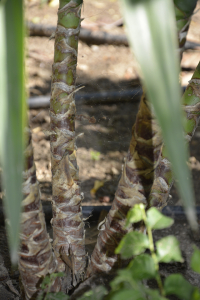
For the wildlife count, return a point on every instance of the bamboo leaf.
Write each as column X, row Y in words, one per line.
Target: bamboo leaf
column 12, row 108
column 152, row 34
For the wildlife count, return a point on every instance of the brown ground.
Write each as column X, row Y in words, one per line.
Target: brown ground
column 104, row 144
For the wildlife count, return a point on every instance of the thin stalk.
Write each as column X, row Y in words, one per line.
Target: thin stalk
column 153, row 254
column 36, row 258
column 67, row 222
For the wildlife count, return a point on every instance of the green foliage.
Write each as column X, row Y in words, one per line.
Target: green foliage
column 95, row 294
column 133, row 243
column 134, row 215
column 142, row 267
column 46, row 285
column 156, row 220
column 176, row 284
column 128, row 284
column 168, row 250
column 195, row 260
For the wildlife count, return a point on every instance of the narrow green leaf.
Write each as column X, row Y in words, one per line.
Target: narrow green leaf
column 186, row 6
column 156, row 220
column 12, row 114
column 135, row 214
column 176, row 284
column 142, row 267
column 133, row 243
column 168, row 250
column 195, row 260
column 152, row 33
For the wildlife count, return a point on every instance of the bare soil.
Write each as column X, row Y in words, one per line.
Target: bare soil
column 104, row 144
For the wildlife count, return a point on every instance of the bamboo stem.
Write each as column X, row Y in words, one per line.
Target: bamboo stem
column 36, row 258
column 133, row 188
column 164, row 178
column 67, row 222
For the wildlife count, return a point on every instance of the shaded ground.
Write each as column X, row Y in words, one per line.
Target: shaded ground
column 104, row 144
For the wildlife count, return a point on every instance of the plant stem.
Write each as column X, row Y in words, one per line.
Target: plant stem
column 164, row 177
column 153, row 254
column 36, row 258
column 163, row 173
column 67, row 222
column 133, row 188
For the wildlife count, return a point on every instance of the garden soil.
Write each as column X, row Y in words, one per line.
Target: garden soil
column 103, row 146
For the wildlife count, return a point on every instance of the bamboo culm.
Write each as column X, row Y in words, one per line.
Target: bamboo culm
column 67, row 222
column 36, row 258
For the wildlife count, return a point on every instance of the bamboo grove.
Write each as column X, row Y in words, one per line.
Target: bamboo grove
column 147, row 174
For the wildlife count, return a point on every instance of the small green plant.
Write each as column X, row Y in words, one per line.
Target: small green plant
column 95, row 155
column 130, row 284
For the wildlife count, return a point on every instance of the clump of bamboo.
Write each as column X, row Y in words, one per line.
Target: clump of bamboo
column 133, row 188
column 144, row 161
column 36, row 258
column 67, row 222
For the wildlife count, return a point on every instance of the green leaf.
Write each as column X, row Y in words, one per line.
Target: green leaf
column 176, row 284
column 186, row 6
column 142, row 267
column 123, row 276
column 127, row 295
column 12, row 114
column 154, row 295
column 195, row 260
column 133, row 243
column 156, row 220
column 55, row 275
column 95, row 294
column 195, row 294
column 168, row 250
column 135, row 214
column 56, row 296
column 45, row 282
column 152, row 33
